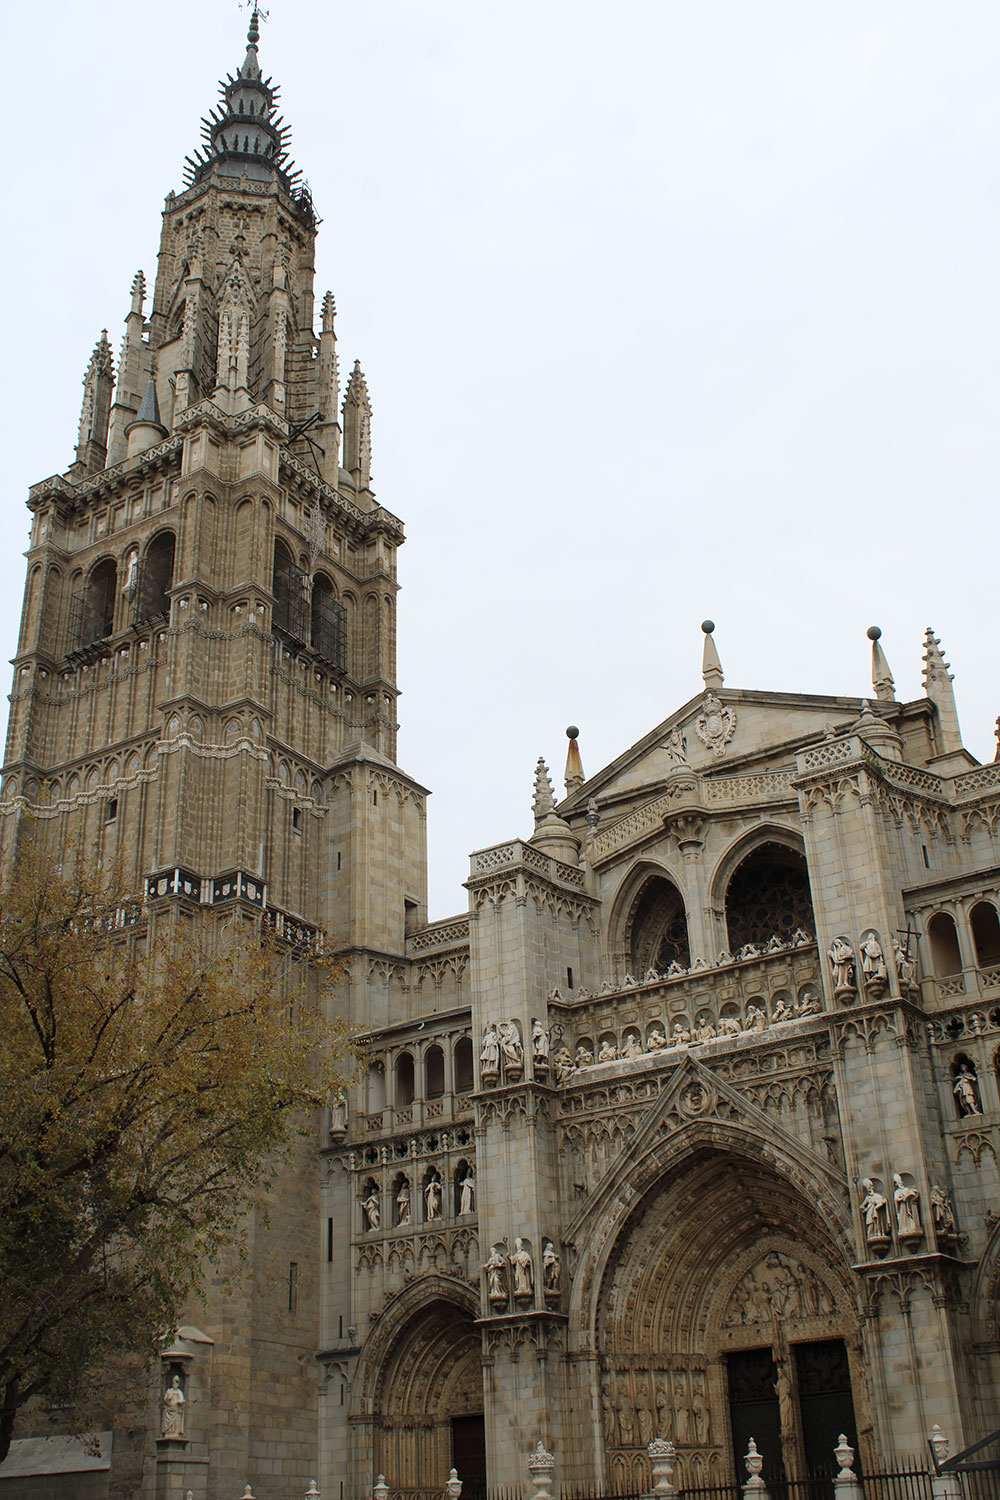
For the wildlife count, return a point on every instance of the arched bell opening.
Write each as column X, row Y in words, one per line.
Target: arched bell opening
column 658, row 931
column 429, row 1405
column 768, row 896
column 726, row 1311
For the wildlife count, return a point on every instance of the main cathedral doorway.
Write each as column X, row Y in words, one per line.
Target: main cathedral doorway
column 794, row 1408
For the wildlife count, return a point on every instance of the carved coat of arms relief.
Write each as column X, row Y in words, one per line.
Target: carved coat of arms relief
column 715, row 724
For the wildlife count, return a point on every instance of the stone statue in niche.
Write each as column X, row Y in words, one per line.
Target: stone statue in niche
column 172, row 1416
column 700, row 1419
column 841, row 958
column 715, row 724
column 432, row 1196
column 539, row 1046
column 966, row 1090
column 466, row 1191
column 786, row 1404
column 656, row 1041
column 873, row 966
column 643, row 1415
column 907, row 1202
column 875, row 1212
column 906, row 967
column 633, row 1047
column 371, row 1209
column 608, row 1052
column 524, row 1272
column 489, row 1057
column 550, row 1269
column 584, row 1056
column 496, row 1278
column 943, row 1214
column 510, row 1048
column 682, row 1416
column 623, row 1408
column 403, row 1203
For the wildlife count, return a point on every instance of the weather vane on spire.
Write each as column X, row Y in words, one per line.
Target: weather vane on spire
column 256, row 16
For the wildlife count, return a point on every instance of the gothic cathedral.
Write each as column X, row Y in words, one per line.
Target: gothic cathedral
column 686, row 1128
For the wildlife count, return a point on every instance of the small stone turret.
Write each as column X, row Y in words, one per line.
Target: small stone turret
column 552, row 834
column 328, row 393
column 147, row 429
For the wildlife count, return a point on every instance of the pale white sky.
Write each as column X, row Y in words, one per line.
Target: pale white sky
column 668, row 309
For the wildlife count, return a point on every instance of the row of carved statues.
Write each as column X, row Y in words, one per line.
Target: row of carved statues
column 799, row 939
column 639, row 1405
column 510, row 1274
column 431, row 1194
column 878, row 1216
column 874, row 973
column 705, row 1029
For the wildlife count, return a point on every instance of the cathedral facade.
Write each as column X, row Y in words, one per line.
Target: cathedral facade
column 687, row 1126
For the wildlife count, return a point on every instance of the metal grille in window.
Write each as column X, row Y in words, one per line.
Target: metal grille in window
column 151, row 599
column 329, row 629
column 90, row 620
column 291, row 608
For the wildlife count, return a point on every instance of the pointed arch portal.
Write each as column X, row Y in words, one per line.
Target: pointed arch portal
column 429, row 1405
column 726, row 1312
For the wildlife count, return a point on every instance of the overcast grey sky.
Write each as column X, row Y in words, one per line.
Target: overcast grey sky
column 670, row 308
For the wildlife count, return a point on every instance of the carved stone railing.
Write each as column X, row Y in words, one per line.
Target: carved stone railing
column 768, row 786
column 509, row 856
column 982, row 779
column 716, row 1005
column 442, row 934
column 830, row 753
column 632, row 826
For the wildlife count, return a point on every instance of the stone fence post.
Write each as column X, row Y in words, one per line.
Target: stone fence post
column 541, row 1466
column 944, row 1486
column 662, row 1455
column 453, row 1488
column 755, row 1488
column 380, row 1490
column 312, row 1493
column 846, row 1485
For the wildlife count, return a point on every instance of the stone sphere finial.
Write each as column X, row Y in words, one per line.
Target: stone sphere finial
column 708, row 626
column 572, row 732
column 874, row 632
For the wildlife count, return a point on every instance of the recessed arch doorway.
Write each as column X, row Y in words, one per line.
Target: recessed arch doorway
column 429, row 1405
column 725, row 1301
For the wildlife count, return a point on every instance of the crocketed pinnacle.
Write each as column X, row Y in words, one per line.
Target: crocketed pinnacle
column 543, row 802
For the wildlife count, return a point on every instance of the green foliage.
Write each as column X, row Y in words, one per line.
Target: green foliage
column 147, row 1088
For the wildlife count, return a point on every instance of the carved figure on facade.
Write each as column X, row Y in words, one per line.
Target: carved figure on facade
column 550, row 1269
column 539, row 1046
column 778, row 1289
column 906, row 967
column 715, row 724
column 511, row 1051
column 756, row 1018
column 675, row 747
column 656, row 1040
column 489, row 1056
column 875, row 1212
column 608, row 1052
column 495, row 1267
column 584, row 1055
column 907, row 1203
column 172, row 1413
column 873, row 968
column 633, row 1046
column 432, row 1196
column 651, row 976
column 563, row 1064
column 643, row 1415
column 524, row 1272
column 372, row 1210
column 943, row 1214
column 841, row 958
column 966, row 1090
column 466, row 1193
column 700, row 1417
column 403, row 1202
column 786, row 1404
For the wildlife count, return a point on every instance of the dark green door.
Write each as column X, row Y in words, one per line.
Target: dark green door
column 825, row 1406
column 753, row 1410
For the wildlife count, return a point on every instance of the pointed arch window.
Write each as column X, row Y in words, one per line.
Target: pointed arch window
column 290, row 618
column 153, row 580
column 328, row 624
column 92, row 613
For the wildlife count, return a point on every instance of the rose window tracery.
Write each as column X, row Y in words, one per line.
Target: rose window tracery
column 768, row 896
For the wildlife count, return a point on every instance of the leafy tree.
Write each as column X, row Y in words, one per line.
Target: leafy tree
column 148, row 1084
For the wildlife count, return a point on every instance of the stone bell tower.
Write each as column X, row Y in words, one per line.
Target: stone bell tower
column 205, row 688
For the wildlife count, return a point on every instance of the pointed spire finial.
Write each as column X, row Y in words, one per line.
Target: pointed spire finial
column 573, row 776
column 938, row 688
column 543, row 802
column 138, row 291
column 329, row 312
column 882, row 682
column 711, row 666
